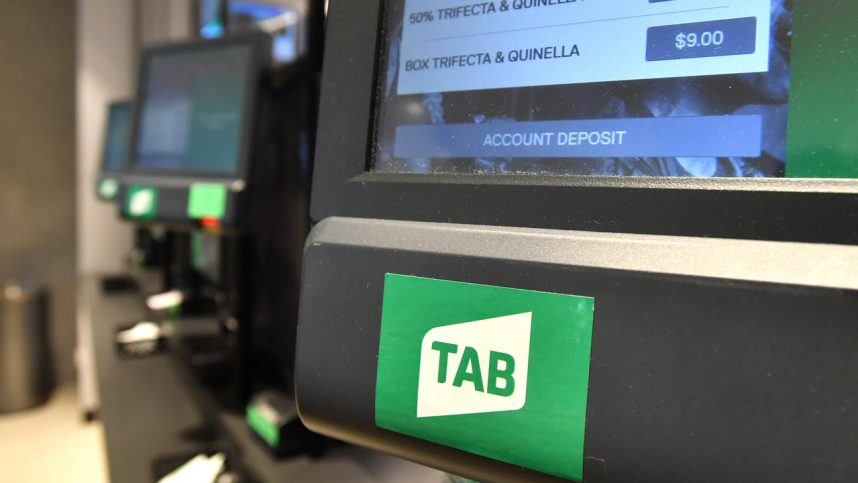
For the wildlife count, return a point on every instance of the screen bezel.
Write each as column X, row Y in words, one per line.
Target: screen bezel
column 807, row 210
column 171, row 177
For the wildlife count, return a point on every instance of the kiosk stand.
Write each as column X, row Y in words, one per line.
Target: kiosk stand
column 219, row 148
column 586, row 241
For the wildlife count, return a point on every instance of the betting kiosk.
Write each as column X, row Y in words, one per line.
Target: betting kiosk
column 598, row 241
column 192, row 133
column 217, row 158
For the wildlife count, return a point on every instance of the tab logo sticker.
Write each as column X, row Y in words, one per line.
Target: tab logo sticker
column 494, row 371
column 141, row 202
column 474, row 367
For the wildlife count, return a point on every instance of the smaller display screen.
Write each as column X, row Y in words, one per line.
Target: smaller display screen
column 193, row 111
column 278, row 18
column 116, row 140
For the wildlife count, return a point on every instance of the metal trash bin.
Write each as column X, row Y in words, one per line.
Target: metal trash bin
column 26, row 369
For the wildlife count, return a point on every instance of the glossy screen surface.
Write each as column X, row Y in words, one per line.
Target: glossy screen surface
column 193, row 112
column 670, row 88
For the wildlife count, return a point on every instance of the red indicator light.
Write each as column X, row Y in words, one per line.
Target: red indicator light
column 210, row 222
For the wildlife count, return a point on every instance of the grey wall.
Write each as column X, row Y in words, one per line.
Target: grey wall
column 164, row 21
column 37, row 156
column 106, row 63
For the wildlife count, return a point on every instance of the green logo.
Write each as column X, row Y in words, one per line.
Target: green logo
column 108, row 188
column 494, row 371
column 141, row 202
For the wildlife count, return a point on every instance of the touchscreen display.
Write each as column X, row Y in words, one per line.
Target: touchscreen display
column 687, row 88
column 193, row 110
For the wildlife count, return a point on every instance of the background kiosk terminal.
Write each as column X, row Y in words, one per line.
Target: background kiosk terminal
column 115, row 149
column 587, row 241
column 196, row 106
column 218, row 157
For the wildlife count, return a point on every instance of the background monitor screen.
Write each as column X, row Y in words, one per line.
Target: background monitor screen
column 117, row 136
column 193, row 110
column 685, row 88
column 279, row 18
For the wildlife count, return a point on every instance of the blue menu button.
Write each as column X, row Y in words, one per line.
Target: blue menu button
column 705, row 136
column 736, row 36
